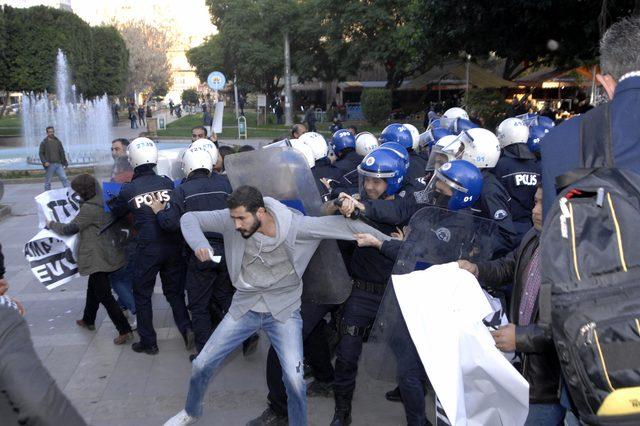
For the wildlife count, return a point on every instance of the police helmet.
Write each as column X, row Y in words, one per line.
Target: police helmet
column 456, row 185
column 460, row 124
column 398, row 150
column 397, row 133
column 365, row 143
column 445, row 149
column 142, row 151
column 415, row 135
column 342, row 139
column 431, row 136
column 536, row 133
column 545, row 122
column 305, row 150
column 383, row 164
column 208, row 146
column 450, row 115
column 434, row 124
column 195, row 158
column 317, row 143
column 480, row 147
column 512, row 130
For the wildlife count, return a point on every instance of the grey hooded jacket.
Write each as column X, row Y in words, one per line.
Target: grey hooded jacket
column 300, row 235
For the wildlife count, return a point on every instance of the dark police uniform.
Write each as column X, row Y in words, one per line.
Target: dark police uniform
column 207, row 283
column 519, row 173
column 371, row 271
column 346, row 168
column 324, row 169
column 416, row 172
column 155, row 252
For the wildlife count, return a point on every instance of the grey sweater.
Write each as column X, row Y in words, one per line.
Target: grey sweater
column 300, row 236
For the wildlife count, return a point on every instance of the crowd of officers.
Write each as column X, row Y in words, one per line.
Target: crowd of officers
column 454, row 164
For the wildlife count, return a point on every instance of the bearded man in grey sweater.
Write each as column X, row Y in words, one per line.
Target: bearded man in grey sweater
column 268, row 247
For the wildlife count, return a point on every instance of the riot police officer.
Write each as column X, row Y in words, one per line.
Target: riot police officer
column 322, row 166
column 401, row 134
column 381, row 174
column 155, row 248
column 206, row 282
column 343, row 145
column 518, row 171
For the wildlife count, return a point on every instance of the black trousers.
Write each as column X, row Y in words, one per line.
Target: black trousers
column 316, row 354
column 209, row 292
column 99, row 292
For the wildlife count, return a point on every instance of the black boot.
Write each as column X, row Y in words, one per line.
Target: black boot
column 342, row 414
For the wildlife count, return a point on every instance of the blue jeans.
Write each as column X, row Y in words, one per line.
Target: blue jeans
column 57, row 169
column 286, row 338
column 122, row 283
column 545, row 415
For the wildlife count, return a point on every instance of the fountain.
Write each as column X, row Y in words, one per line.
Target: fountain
column 83, row 126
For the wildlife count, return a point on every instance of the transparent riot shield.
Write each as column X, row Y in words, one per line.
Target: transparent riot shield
column 283, row 173
column 436, row 236
column 170, row 163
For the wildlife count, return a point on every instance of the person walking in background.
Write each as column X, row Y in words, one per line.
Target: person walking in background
column 310, row 118
column 207, row 119
column 141, row 121
column 132, row 116
column 97, row 256
column 53, row 159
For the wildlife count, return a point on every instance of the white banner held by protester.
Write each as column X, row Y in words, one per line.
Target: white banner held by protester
column 217, row 117
column 52, row 257
column 474, row 382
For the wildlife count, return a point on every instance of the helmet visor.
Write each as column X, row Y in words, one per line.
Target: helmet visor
column 440, row 189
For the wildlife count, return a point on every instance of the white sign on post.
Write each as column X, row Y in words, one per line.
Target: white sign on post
column 217, row 118
column 52, row 257
column 262, row 100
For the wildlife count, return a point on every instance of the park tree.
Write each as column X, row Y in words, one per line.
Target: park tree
column 149, row 70
column 519, row 31
column 111, row 61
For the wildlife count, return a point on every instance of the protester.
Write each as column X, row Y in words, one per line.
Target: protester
column 207, row 119
column 198, row 132
column 620, row 77
column 223, row 151
column 298, row 130
column 310, row 118
column 141, row 120
column 267, row 277
column 525, row 335
column 97, row 256
column 53, row 159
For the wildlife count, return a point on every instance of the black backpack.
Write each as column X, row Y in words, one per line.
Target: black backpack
column 590, row 291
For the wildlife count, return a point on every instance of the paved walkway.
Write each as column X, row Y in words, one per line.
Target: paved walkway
column 112, row 385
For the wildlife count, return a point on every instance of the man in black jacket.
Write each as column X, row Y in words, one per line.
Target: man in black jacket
column 524, row 335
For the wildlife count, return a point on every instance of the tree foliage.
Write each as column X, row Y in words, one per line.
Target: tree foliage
column 488, row 105
column 190, row 96
column 517, row 30
column 376, row 105
column 149, row 70
column 29, row 42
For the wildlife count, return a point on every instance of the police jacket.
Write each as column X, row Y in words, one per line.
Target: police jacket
column 561, row 146
column 28, row 393
column 494, row 204
column 519, row 172
column 370, row 264
column 539, row 359
column 136, row 197
column 347, row 167
column 199, row 192
column 417, row 166
column 323, row 169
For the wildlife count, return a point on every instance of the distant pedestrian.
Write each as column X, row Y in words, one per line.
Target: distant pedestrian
column 141, row 121
column 149, row 112
column 207, row 119
column 133, row 117
column 53, row 159
column 279, row 112
column 241, row 103
column 310, row 118
column 170, row 107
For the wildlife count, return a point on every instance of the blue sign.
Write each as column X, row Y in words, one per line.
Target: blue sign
column 216, row 80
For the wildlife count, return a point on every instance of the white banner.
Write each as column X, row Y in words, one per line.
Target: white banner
column 52, row 257
column 217, row 117
column 474, row 382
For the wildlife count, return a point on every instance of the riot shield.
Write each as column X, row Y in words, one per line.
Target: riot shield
column 170, row 163
column 436, row 236
column 283, row 173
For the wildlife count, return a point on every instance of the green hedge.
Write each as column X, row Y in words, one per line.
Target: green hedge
column 376, row 105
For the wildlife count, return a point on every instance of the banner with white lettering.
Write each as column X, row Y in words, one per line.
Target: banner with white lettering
column 52, row 257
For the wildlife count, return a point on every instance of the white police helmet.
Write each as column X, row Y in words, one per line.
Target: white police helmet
column 365, row 143
column 450, row 116
column 480, row 147
column 445, row 149
column 194, row 158
column 317, row 143
column 415, row 136
column 142, row 151
column 208, row 146
column 512, row 130
column 305, row 150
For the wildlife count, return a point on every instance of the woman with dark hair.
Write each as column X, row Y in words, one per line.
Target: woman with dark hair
column 97, row 256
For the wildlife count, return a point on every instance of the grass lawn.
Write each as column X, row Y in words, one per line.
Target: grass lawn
column 10, row 126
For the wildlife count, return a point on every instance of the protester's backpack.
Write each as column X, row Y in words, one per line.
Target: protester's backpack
column 591, row 277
